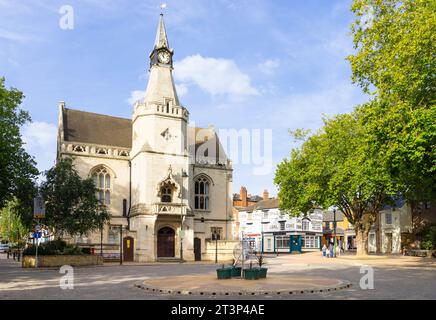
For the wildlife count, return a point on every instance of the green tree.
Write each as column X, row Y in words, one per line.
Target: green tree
column 11, row 227
column 333, row 168
column 395, row 62
column 17, row 168
column 71, row 204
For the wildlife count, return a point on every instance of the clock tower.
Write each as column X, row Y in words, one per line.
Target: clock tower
column 159, row 156
column 162, row 54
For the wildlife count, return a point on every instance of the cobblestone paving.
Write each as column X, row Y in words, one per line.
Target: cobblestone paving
column 394, row 278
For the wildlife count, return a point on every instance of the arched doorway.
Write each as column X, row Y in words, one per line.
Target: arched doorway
column 128, row 243
column 166, row 243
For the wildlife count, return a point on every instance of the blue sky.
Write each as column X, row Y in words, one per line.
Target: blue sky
column 246, row 64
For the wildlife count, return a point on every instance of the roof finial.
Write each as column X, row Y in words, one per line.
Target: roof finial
column 161, row 36
column 162, row 7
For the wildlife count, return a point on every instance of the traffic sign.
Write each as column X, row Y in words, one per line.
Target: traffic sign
column 37, row 235
column 38, row 208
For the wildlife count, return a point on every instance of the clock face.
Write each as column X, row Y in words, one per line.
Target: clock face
column 164, row 57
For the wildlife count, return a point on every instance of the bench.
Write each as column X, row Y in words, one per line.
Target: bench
column 419, row 253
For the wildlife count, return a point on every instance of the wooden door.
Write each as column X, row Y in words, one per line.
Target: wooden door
column 128, row 244
column 389, row 243
column 197, row 249
column 166, row 243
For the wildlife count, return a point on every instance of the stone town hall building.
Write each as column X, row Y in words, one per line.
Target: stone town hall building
column 165, row 182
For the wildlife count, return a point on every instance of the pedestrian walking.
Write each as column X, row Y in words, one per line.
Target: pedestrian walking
column 324, row 250
column 331, row 250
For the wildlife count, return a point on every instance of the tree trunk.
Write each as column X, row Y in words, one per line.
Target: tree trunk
column 362, row 241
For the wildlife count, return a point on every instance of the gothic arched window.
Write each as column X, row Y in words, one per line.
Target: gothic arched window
column 102, row 181
column 202, row 186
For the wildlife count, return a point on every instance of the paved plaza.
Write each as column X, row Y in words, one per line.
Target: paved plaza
column 395, row 277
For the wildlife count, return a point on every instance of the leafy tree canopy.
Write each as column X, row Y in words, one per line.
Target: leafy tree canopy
column 71, row 204
column 17, row 168
column 395, row 61
column 11, row 226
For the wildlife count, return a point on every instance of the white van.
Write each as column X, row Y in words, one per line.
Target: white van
column 4, row 247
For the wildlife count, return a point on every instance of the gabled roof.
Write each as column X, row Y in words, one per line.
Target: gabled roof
column 93, row 128
column 264, row 204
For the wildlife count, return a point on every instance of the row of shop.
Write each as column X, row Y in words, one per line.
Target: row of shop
column 282, row 242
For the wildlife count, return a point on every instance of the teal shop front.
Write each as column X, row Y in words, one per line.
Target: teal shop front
column 295, row 243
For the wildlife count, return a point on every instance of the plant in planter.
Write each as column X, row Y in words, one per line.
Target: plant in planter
column 251, row 273
column 235, row 270
column 224, row 273
column 261, row 262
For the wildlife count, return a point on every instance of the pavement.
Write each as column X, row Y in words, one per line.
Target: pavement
column 395, row 277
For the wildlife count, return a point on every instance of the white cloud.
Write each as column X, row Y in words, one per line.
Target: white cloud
column 135, row 96
column 40, row 142
column 214, row 76
column 268, row 66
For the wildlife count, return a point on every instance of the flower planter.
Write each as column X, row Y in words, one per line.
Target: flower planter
column 251, row 274
column 61, row 260
column 262, row 272
column 224, row 273
column 236, row 272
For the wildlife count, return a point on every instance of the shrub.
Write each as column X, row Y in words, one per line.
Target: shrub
column 56, row 247
column 428, row 241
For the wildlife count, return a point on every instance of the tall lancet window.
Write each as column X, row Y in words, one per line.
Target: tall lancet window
column 202, row 187
column 102, row 181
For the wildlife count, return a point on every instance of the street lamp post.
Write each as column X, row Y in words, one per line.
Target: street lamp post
column 181, row 236
column 216, row 246
column 334, row 231
column 121, row 244
column 101, row 241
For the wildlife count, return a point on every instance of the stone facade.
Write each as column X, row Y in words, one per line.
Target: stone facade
column 167, row 184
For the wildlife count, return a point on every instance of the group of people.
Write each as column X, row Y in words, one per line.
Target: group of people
column 329, row 252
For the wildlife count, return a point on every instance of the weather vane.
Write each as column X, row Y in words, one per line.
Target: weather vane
column 162, row 7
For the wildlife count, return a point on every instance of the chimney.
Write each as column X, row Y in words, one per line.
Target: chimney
column 243, row 196
column 265, row 195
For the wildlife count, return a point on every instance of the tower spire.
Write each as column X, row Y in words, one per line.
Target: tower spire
column 161, row 35
column 161, row 87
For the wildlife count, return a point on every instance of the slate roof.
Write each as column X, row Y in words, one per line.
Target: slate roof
column 93, row 128
column 264, row 204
